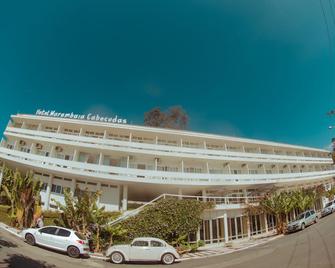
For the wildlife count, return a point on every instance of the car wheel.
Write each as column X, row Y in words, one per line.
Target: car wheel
column 30, row 239
column 168, row 258
column 73, row 252
column 117, row 257
column 302, row 226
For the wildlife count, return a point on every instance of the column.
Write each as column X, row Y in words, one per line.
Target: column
column 266, row 223
column 156, row 163
column 75, row 155
column 156, row 139
column 207, row 167
column 99, row 190
column 73, row 186
column 52, row 151
column 182, row 165
column 1, row 174
column 48, row 193
column 198, row 233
column 101, row 159
column 181, row 142
column 59, row 129
column 16, row 144
column 210, row 230
column 81, row 131
column 128, row 159
column 229, row 170
column 124, row 197
column 204, row 195
column 39, row 128
column 180, row 193
column 248, row 226
column 105, row 134
column 32, row 148
column 205, row 145
column 225, row 226
column 130, row 136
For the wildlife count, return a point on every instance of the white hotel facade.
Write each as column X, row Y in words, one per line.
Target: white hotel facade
column 129, row 163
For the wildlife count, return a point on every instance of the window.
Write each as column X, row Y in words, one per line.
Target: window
column 49, row 230
column 57, row 189
column 140, row 243
column 44, row 186
column 156, row 244
column 64, row 233
column 307, row 215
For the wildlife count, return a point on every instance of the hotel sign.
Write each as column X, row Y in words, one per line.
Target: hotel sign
column 89, row 117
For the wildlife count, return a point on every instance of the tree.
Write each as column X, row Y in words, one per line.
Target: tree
column 81, row 213
column 175, row 117
column 23, row 195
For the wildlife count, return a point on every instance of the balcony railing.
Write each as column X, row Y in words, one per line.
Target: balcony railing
column 119, row 174
column 156, row 149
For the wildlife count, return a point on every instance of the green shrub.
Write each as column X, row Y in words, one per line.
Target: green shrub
column 168, row 219
column 4, row 215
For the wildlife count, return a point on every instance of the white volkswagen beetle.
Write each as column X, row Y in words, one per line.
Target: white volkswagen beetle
column 143, row 249
column 59, row 238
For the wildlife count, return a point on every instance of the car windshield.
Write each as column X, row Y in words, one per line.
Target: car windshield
column 80, row 236
column 329, row 204
column 301, row 216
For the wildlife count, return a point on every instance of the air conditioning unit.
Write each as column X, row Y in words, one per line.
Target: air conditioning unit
column 22, row 142
column 59, row 149
column 39, row 146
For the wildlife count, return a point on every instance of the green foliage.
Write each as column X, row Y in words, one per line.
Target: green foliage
column 168, row 219
column 22, row 193
column 280, row 204
column 4, row 216
column 82, row 214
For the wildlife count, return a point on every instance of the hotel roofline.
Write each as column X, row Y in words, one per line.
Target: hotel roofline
column 165, row 131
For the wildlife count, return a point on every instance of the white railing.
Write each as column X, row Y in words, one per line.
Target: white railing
column 157, row 149
column 120, row 174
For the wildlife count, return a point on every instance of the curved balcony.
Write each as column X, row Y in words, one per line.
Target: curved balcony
column 159, row 150
column 124, row 175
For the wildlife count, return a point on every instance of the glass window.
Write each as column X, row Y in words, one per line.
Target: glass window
column 62, row 232
column 140, row 243
column 49, row 230
column 156, row 244
column 307, row 215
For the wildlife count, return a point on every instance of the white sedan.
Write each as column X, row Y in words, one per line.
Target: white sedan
column 58, row 238
column 143, row 249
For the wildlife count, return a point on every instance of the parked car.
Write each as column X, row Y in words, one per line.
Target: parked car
column 58, row 238
column 304, row 219
column 143, row 249
column 328, row 209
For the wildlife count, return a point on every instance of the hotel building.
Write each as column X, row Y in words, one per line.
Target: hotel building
column 132, row 164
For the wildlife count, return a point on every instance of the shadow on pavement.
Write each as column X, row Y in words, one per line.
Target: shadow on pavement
column 4, row 243
column 19, row 261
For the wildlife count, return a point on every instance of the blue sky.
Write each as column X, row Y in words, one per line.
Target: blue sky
column 259, row 69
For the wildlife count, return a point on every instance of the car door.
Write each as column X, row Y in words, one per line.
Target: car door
column 308, row 218
column 45, row 236
column 156, row 249
column 62, row 239
column 140, row 251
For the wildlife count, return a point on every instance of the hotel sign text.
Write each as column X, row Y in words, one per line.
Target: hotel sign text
column 90, row 117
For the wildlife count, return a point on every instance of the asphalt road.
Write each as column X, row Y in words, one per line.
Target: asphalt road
column 313, row 247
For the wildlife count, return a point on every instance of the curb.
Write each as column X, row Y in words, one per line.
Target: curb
column 229, row 252
column 8, row 229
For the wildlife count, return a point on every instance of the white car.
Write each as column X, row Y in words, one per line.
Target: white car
column 143, row 249
column 58, row 238
column 328, row 209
